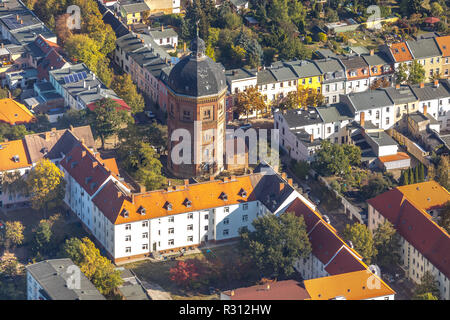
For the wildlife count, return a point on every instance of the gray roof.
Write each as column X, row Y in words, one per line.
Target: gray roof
column 283, row 74
column 298, row 118
column 197, row 75
column 159, row 34
column 335, row 112
column 304, row 68
column 305, row 138
column 401, row 95
column 238, row 74
column 353, row 62
column 381, row 138
column 52, row 276
column 89, row 90
column 423, row 48
column 134, row 7
column 369, row 100
column 376, row 59
column 359, row 50
column 265, row 77
column 419, row 117
column 325, row 53
column 430, row 92
column 331, row 69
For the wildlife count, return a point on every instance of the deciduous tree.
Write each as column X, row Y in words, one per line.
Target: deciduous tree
column 14, row 233
column 387, row 245
column 362, row 240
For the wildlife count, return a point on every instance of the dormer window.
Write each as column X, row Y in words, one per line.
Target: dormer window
column 187, row 203
column 73, row 164
column 16, row 158
column 125, row 213
column 243, row 193
column 224, row 196
column 168, row 206
column 142, row 210
column 87, row 180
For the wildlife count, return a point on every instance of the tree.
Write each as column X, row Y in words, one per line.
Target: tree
column 276, row 243
column 45, row 185
column 401, row 74
column 387, row 245
column 442, row 172
column 322, row 37
column 82, row 48
column 249, row 100
column 404, row 178
column 416, row 174
column 13, row 183
column 444, row 214
column 95, row 267
column 426, row 296
column 184, row 273
column 126, row 89
column 436, row 9
column 353, row 153
column 41, row 238
column 428, row 285
column 416, row 73
column 362, row 240
column 376, row 185
column 331, row 159
column 107, row 119
column 61, row 29
column 14, row 233
column 421, row 172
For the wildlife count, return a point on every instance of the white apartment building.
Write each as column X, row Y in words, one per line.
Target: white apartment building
column 425, row 246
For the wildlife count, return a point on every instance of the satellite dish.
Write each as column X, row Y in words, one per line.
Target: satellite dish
column 375, row 269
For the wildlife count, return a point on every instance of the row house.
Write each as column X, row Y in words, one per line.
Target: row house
column 166, row 38
column 132, row 12
column 333, row 79
column 380, row 68
column 404, row 99
column 357, row 74
column 398, row 53
column 425, row 246
column 444, row 46
column 427, row 53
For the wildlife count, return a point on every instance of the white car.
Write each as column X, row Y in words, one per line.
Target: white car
column 150, row 114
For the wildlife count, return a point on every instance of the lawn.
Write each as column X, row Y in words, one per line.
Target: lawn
column 158, row 272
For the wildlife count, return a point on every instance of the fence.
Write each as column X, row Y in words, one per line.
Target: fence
column 410, row 146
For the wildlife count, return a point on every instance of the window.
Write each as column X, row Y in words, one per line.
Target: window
column 145, row 246
column 128, row 227
column 245, row 217
column 225, row 232
column 206, row 216
column 145, row 235
column 226, row 221
column 171, row 219
column 245, row 206
column 128, row 238
column 226, row 209
column 190, row 216
column 190, row 227
column 128, row 249
column 190, row 238
column 206, row 228
column 171, row 230
column 145, row 224
column 171, row 242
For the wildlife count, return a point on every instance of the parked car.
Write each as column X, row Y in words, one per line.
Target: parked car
column 245, row 126
column 150, row 114
column 2, row 224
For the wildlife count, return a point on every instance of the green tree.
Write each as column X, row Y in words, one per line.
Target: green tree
column 331, row 159
column 14, row 233
column 421, row 172
column 411, row 176
column 444, row 215
column 322, row 37
column 376, row 185
column 428, row 285
column 442, row 172
column 362, row 240
column 41, row 238
column 107, row 119
column 426, row 296
column 126, row 89
column 81, row 48
column 95, row 267
column 276, row 244
column 13, row 183
column 248, row 101
column 416, row 73
column 401, row 74
column 404, row 178
column 353, row 153
column 416, row 174
column 45, row 185
column 387, row 245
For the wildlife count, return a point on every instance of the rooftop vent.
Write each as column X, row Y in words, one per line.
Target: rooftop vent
column 187, row 203
column 243, row 193
column 142, row 210
column 224, row 196
column 168, row 206
column 125, row 213
column 16, row 158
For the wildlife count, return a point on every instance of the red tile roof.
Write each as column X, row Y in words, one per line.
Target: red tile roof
column 400, row 52
column 344, row 262
column 53, row 60
column 122, row 105
column 414, row 224
column 395, row 157
column 279, row 290
column 324, row 242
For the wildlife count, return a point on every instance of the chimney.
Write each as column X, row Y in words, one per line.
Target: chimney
column 83, row 153
column 436, row 83
column 372, row 52
column 311, row 138
column 362, row 119
column 422, row 85
column 290, row 182
column 47, row 136
column 162, row 28
column 53, row 129
column 232, row 293
column 281, row 186
column 84, row 83
column 21, row 21
column 283, row 175
column 211, row 178
column 142, row 188
column 94, row 164
column 9, row 94
column 184, row 47
column 3, row 45
column 425, row 110
column 268, row 287
column 17, row 17
column 397, row 86
column 186, row 182
column 93, row 76
column 71, row 128
column 132, row 198
column 82, row 140
column 119, row 194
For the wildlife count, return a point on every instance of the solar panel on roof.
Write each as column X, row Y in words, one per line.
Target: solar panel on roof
column 75, row 77
column 84, row 75
column 66, row 79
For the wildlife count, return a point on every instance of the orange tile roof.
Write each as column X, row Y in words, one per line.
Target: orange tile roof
column 13, row 112
column 400, row 52
column 111, row 164
column 425, row 195
column 444, row 45
column 7, row 152
column 394, row 157
column 358, row 285
column 278, row 290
